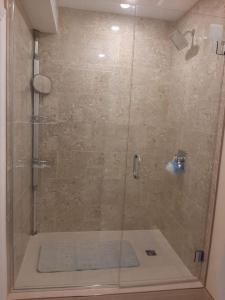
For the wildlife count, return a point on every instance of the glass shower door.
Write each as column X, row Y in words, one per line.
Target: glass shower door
column 84, row 139
column 128, row 95
column 176, row 116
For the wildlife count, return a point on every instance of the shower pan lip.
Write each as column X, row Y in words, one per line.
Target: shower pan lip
column 29, row 276
column 100, row 291
column 120, row 285
column 116, row 283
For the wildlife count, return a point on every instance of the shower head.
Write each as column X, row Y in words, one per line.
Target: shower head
column 178, row 40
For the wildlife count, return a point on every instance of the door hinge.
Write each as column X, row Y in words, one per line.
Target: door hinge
column 220, row 48
column 199, row 256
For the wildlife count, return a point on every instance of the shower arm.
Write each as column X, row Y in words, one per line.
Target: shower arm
column 191, row 32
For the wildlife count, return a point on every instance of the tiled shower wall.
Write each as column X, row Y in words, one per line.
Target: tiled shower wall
column 87, row 132
column 175, row 105
column 149, row 135
column 19, row 112
column 85, row 139
column 171, row 101
column 194, row 111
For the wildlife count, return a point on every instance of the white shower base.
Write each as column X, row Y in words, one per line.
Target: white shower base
column 165, row 268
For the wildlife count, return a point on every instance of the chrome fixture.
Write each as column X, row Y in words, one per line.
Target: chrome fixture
column 151, row 252
column 216, row 34
column 180, row 159
column 177, row 164
column 41, row 87
column 136, row 166
column 36, row 102
column 199, row 256
column 40, row 164
column 179, row 40
column 220, row 48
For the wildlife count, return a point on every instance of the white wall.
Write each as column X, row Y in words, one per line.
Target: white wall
column 43, row 14
column 3, row 266
column 216, row 272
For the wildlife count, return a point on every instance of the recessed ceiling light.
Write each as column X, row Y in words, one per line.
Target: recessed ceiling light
column 101, row 55
column 160, row 2
column 115, row 28
column 125, row 5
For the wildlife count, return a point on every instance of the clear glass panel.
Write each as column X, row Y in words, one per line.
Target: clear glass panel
column 82, row 150
column 132, row 85
column 19, row 136
column 175, row 105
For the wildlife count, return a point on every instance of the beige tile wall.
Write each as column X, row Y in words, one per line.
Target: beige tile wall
column 19, row 138
column 89, row 113
column 172, row 101
column 148, row 132
column 193, row 114
column 175, row 105
column 86, row 137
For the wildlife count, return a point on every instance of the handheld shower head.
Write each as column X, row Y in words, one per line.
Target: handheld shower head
column 42, row 84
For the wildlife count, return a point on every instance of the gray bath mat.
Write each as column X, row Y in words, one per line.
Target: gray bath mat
column 68, row 257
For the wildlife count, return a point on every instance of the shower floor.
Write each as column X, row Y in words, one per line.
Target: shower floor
column 164, row 268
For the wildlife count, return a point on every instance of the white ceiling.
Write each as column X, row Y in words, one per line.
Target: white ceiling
column 170, row 10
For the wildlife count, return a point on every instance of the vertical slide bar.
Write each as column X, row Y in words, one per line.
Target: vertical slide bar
column 36, row 104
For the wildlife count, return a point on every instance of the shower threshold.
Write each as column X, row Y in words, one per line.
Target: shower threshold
column 164, row 268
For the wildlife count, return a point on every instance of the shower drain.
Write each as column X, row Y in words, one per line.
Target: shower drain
column 151, row 252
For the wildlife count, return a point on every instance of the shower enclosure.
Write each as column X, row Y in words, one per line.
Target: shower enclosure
column 113, row 158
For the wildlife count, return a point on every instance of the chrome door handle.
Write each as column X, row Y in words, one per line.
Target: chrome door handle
column 136, row 166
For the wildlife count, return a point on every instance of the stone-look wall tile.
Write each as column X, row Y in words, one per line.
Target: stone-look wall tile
column 90, row 135
column 210, row 8
column 195, row 88
column 85, row 137
column 174, row 104
column 214, row 183
column 20, row 136
column 21, row 227
column 96, row 136
column 46, row 212
column 112, row 204
column 185, row 249
column 110, row 108
column 81, row 187
column 148, row 131
column 101, row 79
column 93, row 30
column 144, row 194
